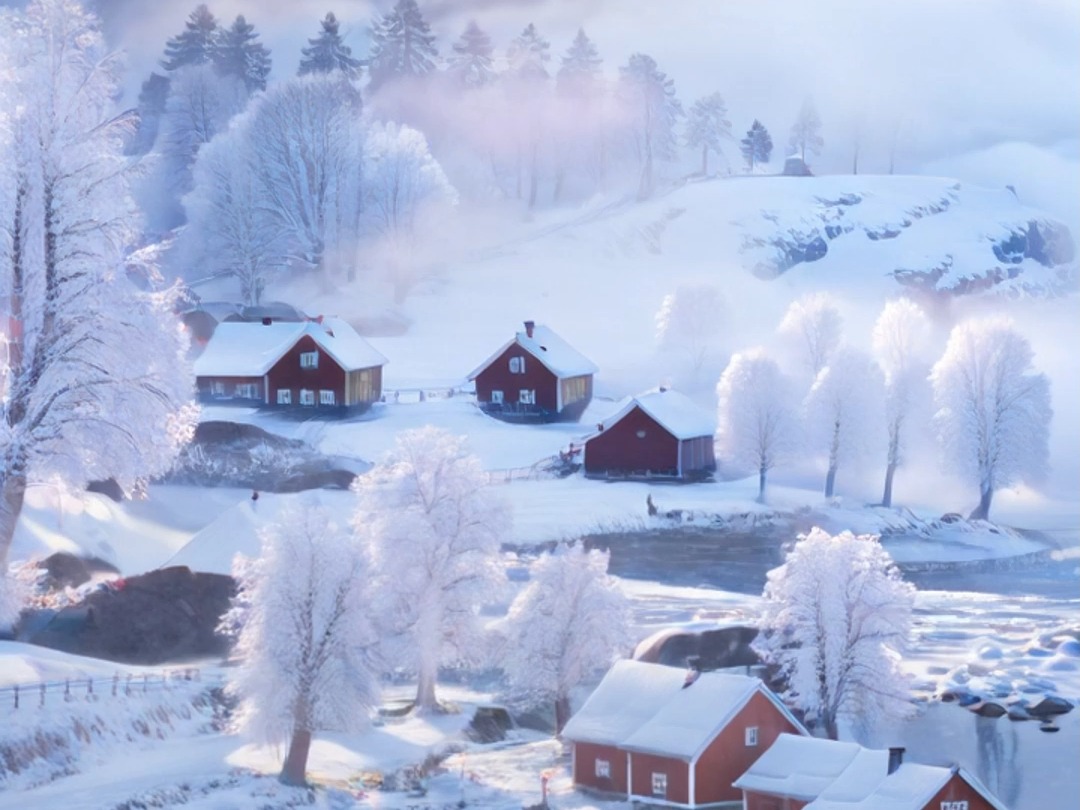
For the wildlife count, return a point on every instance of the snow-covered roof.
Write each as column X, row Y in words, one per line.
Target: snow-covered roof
column 629, row 695
column 675, row 412
column 803, row 767
column 910, row 787
column 250, row 349
column 648, row 708
column 560, row 358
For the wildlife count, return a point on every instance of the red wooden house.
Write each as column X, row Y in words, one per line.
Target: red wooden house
column 321, row 365
column 666, row 736
column 535, row 377
column 804, row 773
column 657, row 434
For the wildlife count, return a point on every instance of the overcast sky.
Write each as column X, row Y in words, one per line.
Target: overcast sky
column 984, row 89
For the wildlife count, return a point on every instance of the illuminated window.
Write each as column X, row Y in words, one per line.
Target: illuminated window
column 309, row 359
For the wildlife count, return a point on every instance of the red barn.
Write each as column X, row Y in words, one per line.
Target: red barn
column 666, row 736
column 321, row 365
column 804, row 773
column 657, row 434
column 535, row 377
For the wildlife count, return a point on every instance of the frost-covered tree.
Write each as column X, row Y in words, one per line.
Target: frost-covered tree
column 237, row 53
column 757, row 425
column 806, row 131
column 434, row 526
column 757, row 146
column 653, row 109
column 581, row 141
column 528, row 55
column 836, row 621
column 402, row 45
column 993, row 410
column 844, row 410
column 691, row 320
column 569, row 624
column 813, row 323
column 305, row 137
column 707, row 126
column 230, row 230
column 471, row 59
column 579, row 70
column 306, row 638
column 94, row 380
column 327, row 52
column 195, row 44
column 900, row 339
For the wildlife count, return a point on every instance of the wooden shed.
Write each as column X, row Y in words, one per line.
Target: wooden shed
column 659, row 434
column 318, row 365
column 664, row 735
column 535, row 377
column 803, row 773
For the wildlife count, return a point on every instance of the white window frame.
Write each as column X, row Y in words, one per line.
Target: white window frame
column 527, row 396
column 309, row 359
column 659, row 785
column 603, row 768
column 497, row 397
column 284, row 396
column 751, row 736
column 246, row 391
column 327, row 397
column 517, row 365
column 217, row 388
column 307, row 396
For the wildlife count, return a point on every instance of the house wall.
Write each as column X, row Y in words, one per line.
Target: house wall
column 537, row 377
column 205, row 387
column 286, row 373
column 728, row 756
column 643, row 766
column 577, row 393
column 761, row 801
column 619, row 450
column 954, row 793
column 364, row 386
column 697, row 455
column 585, row 756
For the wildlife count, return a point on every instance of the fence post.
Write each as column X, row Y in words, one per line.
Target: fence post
column 89, row 687
column 145, row 677
column 115, row 682
column 42, row 704
column 16, row 696
column 127, row 686
column 67, row 689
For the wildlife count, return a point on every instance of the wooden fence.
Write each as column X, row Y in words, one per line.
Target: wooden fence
column 47, row 693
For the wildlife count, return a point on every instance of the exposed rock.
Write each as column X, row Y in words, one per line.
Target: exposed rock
column 63, row 570
column 109, row 488
column 1049, row 706
column 711, row 649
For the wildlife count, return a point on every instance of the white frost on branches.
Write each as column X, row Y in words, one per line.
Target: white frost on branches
column 691, row 320
column 814, row 325
column 568, row 625
column 993, row 410
column 305, row 639
column 757, row 424
column 844, row 410
column 434, row 527
column 836, row 621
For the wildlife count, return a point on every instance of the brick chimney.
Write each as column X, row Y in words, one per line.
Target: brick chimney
column 896, row 759
column 529, row 326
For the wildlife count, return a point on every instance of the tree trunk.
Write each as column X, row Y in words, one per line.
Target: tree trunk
column 292, row 773
column 855, row 161
column 12, row 492
column 761, row 485
column 704, row 160
column 830, row 481
column 560, row 175
column 886, row 498
column 982, row 511
column 562, row 713
column 534, row 181
column 425, row 692
column 829, row 721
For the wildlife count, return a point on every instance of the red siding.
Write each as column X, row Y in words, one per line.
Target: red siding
column 728, row 757
column 286, row 373
column 620, row 451
column 537, row 377
column 585, row 756
column 643, row 766
column 958, row 790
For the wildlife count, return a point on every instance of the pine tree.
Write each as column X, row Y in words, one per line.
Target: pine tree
column 528, row 53
column 403, row 45
column 706, row 126
column 756, row 147
column 327, row 52
column 580, row 69
column 195, row 45
column 650, row 97
column 471, row 62
column 236, row 53
column 806, row 132
column 152, row 98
